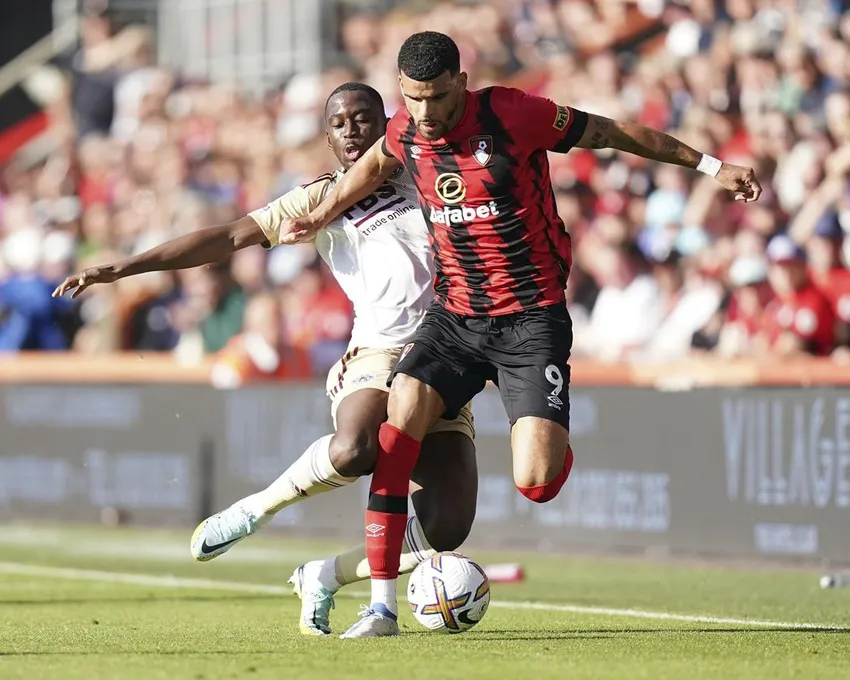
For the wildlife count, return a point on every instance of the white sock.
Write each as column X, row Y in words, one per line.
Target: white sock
column 310, row 475
column 323, row 571
column 352, row 565
column 384, row 592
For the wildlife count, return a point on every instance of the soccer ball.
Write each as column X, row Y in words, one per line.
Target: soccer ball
column 448, row 593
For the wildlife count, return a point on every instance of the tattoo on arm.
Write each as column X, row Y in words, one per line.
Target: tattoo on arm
column 603, row 133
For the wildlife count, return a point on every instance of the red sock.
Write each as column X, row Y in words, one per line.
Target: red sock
column 386, row 516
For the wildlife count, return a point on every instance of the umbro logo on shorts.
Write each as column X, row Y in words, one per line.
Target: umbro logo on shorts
column 405, row 352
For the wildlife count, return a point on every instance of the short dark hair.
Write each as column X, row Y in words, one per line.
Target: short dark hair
column 371, row 93
column 427, row 55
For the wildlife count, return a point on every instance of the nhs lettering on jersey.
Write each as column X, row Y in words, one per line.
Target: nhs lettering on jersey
column 385, row 197
column 463, row 213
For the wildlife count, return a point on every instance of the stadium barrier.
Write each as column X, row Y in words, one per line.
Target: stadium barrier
column 729, row 459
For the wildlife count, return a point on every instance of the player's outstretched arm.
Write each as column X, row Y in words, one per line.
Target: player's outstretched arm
column 604, row 133
column 192, row 250
column 359, row 181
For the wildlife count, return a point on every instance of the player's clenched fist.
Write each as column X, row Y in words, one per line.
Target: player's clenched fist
column 741, row 181
column 79, row 282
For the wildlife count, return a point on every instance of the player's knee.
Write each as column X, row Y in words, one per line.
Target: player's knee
column 413, row 406
column 548, row 490
column 353, row 454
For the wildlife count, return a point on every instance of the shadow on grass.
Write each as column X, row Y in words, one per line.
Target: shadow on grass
column 582, row 633
column 474, row 636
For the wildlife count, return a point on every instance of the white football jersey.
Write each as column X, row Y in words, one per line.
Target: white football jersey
column 378, row 250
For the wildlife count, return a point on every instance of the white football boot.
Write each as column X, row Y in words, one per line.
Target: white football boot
column 220, row 532
column 316, row 600
column 375, row 621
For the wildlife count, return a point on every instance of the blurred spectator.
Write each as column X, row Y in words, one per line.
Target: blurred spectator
column 626, row 312
column 30, row 318
column 212, row 308
column 800, row 318
column 259, row 353
column 96, row 67
column 824, row 250
column 686, row 303
column 743, row 317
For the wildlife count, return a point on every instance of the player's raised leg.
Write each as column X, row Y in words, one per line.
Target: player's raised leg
column 328, row 463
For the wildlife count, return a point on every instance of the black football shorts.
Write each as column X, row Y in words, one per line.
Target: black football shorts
column 526, row 354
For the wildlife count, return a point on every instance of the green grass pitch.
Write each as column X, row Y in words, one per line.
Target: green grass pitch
column 94, row 603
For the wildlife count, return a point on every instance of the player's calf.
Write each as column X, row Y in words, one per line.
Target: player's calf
column 445, row 488
column 446, row 532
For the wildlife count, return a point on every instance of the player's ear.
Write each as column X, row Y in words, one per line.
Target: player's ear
column 328, row 137
column 462, row 80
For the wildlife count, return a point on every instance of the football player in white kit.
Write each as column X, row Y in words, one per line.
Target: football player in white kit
column 379, row 253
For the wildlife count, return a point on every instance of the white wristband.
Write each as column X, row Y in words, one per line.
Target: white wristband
column 709, row 165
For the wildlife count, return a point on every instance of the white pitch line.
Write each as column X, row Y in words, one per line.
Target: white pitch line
column 211, row 584
column 665, row 616
column 139, row 579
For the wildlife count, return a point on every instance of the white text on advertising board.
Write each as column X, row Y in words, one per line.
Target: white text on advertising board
column 784, row 454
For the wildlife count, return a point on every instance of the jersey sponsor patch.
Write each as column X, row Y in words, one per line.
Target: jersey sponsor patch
column 450, row 187
column 562, row 118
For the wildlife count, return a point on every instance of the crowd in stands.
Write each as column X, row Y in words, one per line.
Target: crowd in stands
column 665, row 264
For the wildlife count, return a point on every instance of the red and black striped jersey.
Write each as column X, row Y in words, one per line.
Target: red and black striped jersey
column 499, row 245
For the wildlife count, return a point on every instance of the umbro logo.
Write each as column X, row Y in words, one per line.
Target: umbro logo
column 375, row 530
column 404, row 352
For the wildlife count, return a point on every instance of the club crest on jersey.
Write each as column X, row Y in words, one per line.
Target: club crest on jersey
column 482, row 148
